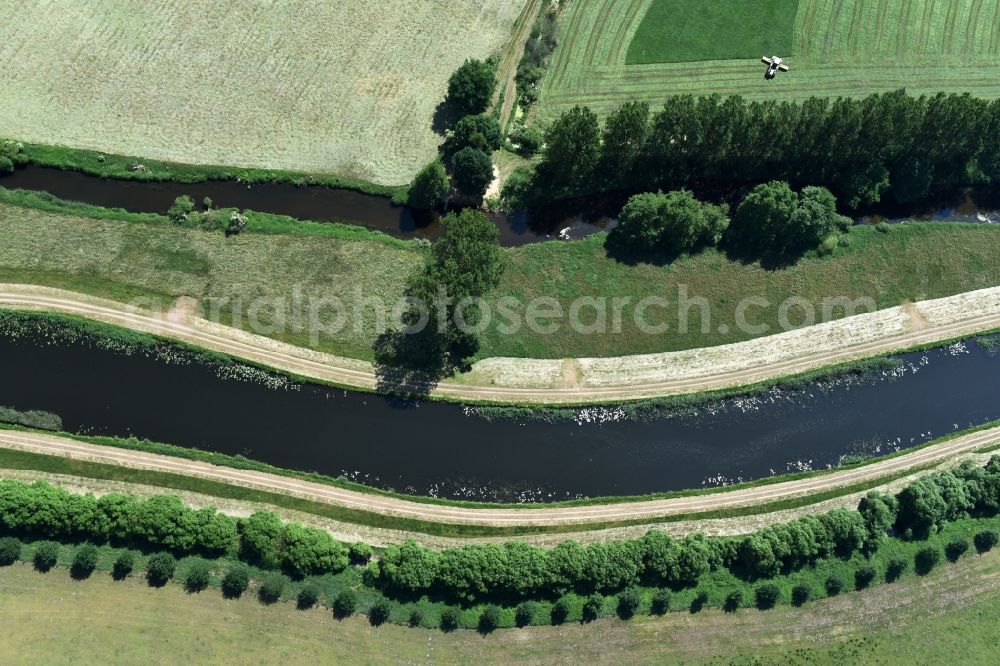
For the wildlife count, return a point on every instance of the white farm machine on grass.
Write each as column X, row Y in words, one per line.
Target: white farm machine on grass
column 774, row 65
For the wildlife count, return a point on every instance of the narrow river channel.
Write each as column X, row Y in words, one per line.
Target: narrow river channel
column 450, row 451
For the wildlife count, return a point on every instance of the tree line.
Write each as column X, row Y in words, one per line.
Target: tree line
column 517, row 570
column 512, row 570
column 859, row 148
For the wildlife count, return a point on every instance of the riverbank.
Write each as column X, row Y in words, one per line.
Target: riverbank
column 541, row 382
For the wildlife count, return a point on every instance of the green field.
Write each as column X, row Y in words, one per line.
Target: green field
column 950, row 615
column 121, row 259
column 683, row 31
column 609, row 53
column 338, row 87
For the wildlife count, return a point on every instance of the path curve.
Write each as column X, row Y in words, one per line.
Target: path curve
column 785, row 360
column 512, row 516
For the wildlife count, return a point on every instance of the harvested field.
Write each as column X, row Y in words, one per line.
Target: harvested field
column 839, row 48
column 347, row 88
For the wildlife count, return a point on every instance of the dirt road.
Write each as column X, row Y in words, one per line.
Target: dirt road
column 728, row 366
column 515, row 516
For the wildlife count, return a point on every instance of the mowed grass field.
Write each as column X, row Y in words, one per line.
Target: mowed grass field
column 121, row 260
column 339, row 87
column 615, row 51
column 949, row 615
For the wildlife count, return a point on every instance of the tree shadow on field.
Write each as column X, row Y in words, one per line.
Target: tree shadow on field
column 445, row 117
column 404, row 366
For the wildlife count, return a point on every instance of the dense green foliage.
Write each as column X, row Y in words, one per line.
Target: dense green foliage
column 198, row 575
column 429, row 187
column 540, row 45
column 857, row 147
column 481, row 131
column 31, row 419
column 124, row 564
column 84, row 561
column 235, row 581
column 472, row 171
column 10, row 550
column 46, row 555
column 985, row 541
column 271, row 587
column 160, row 569
column 344, row 604
column 12, row 155
column 669, row 224
column 470, row 87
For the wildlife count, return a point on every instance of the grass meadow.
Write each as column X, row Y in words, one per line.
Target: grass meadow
column 349, row 88
column 147, row 256
column 615, row 51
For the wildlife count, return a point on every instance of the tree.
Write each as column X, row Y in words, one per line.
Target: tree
column 470, row 87
column 308, row 596
column 46, row 555
column 198, row 575
column 733, row 601
column 271, row 587
column 834, row 585
column 894, row 569
column 359, row 552
column 10, row 550
column 800, row 594
column 624, row 137
column 955, row 549
column 160, row 569
column 628, row 603
column 985, row 541
column 766, row 596
column 262, row 534
column 863, row 577
column 429, row 187
column 529, row 140
column 181, row 208
column 311, row 551
column 572, row 152
column 480, row 131
column 489, row 619
column 344, row 604
column 416, row 618
column 524, row 614
column 472, row 170
column 235, row 581
column 123, row 565
column 449, row 619
column 926, row 559
column 560, row 611
column 378, row 614
column 84, row 561
column 660, row 603
column 592, row 607
column 878, row 511
column 669, row 224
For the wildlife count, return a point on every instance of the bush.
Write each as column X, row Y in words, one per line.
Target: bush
column 660, row 603
column 592, row 607
column 894, row 569
column 766, row 596
column 123, row 566
column 733, row 601
column 235, row 581
column 883, row 227
column 863, row 577
column 449, row 620
column 181, row 208
column 470, row 87
column 416, row 618
column 524, row 614
column 308, row 596
column 529, row 140
column 428, row 188
column 359, row 552
column 699, row 601
column 834, row 585
column 628, row 603
column 489, row 619
column 344, row 604
column 926, row 559
column 10, row 550
column 207, row 203
column 669, row 224
column 955, row 549
column 160, row 569
column 46, row 555
column 271, row 588
column 198, row 575
column 800, row 595
column 560, row 610
column 985, row 541
column 378, row 614
column 84, row 561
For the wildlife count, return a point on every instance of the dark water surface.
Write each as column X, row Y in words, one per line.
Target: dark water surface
column 447, row 450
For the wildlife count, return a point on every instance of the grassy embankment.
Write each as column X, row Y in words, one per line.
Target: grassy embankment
column 614, row 51
column 122, row 255
column 950, row 614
